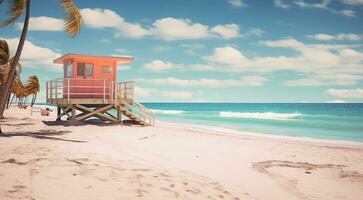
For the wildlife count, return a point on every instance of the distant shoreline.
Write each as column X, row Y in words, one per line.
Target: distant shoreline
column 235, row 132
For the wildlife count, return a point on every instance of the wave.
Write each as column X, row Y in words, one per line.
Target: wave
column 262, row 115
column 168, row 112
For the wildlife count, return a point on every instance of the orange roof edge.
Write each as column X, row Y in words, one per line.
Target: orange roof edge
column 70, row 56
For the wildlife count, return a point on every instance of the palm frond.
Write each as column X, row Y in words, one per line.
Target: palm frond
column 18, row 66
column 33, row 86
column 73, row 19
column 16, row 9
column 4, row 52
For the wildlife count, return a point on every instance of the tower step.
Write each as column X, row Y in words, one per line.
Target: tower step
column 137, row 113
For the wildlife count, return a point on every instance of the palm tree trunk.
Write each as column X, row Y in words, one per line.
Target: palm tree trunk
column 33, row 99
column 26, row 100
column 8, row 101
column 12, row 100
column 6, row 87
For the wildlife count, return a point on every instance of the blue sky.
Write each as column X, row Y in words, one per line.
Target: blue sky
column 210, row 50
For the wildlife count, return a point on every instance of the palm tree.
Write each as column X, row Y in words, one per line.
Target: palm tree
column 16, row 9
column 17, row 88
column 21, row 91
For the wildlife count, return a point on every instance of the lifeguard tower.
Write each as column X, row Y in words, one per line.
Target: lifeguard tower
column 89, row 88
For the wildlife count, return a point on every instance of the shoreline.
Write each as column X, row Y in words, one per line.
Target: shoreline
column 236, row 132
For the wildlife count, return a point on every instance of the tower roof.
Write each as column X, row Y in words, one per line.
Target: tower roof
column 118, row 59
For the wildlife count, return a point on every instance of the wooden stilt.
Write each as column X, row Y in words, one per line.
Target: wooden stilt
column 118, row 115
column 73, row 112
column 58, row 113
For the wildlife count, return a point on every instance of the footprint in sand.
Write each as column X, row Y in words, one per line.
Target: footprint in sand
column 17, row 188
column 193, row 191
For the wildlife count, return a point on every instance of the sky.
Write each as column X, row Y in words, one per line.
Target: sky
column 209, row 50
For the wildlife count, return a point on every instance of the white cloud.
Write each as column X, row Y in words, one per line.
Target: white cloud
column 34, row 56
column 352, row 2
column 143, row 92
column 346, row 93
column 104, row 18
column 322, row 36
column 227, row 31
column 210, row 83
column 173, row 29
column 101, row 18
column 336, row 101
column 225, row 55
column 256, row 32
column 317, row 64
column 348, row 36
column 347, row 13
column 281, row 4
column 43, row 24
column 158, row 65
column 322, row 4
column 237, row 3
column 167, row 28
column 342, row 36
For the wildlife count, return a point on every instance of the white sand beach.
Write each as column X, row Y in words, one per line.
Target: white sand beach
column 46, row 160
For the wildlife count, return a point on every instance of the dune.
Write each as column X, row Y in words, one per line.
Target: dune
column 44, row 159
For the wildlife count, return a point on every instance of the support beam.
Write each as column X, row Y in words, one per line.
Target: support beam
column 65, row 111
column 118, row 115
column 58, row 110
column 73, row 112
column 99, row 112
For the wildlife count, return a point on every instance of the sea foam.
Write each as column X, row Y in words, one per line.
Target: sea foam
column 261, row 115
column 168, row 112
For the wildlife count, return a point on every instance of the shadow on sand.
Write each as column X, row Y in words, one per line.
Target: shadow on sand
column 47, row 134
column 95, row 122
column 18, row 124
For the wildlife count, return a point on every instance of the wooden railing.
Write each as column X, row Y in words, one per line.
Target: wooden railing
column 70, row 88
column 125, row 90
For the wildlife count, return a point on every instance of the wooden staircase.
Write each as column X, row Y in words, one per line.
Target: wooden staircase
column 136, row 112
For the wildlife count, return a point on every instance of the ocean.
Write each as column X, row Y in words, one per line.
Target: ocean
column 332, row 121
column 341, row 121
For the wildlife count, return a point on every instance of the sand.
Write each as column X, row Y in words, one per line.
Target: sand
column 44, row 159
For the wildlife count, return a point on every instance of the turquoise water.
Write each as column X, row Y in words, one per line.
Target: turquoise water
column 318, row 120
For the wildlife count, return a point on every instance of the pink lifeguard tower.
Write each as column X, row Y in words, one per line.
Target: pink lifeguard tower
column 89, row 88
